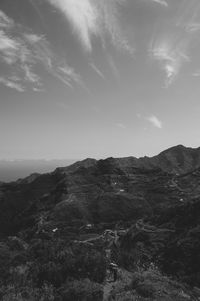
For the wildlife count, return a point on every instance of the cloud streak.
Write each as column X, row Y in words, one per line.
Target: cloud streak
column 155, row 121
column 21, row 52
column 93, row 18
column 82, row 16
column 171, row 55
column 96, row 69
column 175, row 41
column 121, row 125
column 13, row 84
column 5, row 21
column 161, row 2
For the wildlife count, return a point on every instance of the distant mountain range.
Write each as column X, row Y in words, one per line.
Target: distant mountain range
column 178, row 159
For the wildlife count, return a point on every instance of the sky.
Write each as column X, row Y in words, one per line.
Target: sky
column 98, row 78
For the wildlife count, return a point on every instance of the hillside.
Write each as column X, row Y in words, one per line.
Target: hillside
column 55, row 238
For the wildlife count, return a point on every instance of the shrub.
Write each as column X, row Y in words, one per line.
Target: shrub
column 82, row 290
column 12, row 293
column 5, row 259
column 145, row 290
column 85, row 262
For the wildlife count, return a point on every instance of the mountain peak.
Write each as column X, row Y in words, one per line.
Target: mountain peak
column 178, row 147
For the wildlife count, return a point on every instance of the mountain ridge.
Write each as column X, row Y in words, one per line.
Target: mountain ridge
column 167, row 160
column 176, row 159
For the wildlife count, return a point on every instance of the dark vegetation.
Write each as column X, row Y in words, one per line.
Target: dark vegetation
column 52, row 227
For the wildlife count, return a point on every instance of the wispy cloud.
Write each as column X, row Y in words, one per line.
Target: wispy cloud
column 113, row 66
column 30, row 76
column 25, row 52
column 121, row 125
column 171, row 52
column 13, row 84
column 15, row 55
column 5, row 21
column 188, row 14
column 97, row 70
column 93, row 18
column 155, row 121
column 162, row 2
column 70, row 74
column 82, row 16
column 7, row 43
column 175, row 40
column 43, row 54
column 192, row 27
column 22, row 51
column 196, row 73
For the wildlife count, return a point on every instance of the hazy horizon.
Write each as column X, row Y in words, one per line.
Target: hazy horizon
column 17, row 169
column 90, row 78
column 83, row 158
column 12, row 170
